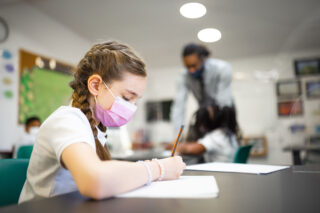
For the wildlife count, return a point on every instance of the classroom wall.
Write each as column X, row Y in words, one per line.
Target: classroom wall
column 254, row 95
column 32, row 30
column 256, row 101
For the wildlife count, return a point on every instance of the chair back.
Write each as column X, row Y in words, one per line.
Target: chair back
column 13, row 175
column 25, row 151
column 242, row 154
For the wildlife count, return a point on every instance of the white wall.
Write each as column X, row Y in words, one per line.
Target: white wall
column 32, row 30
column 255, row 101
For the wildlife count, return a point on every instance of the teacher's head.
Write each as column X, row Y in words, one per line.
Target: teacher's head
column 194, row 56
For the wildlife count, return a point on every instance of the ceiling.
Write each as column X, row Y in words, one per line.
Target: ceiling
column 158, row 31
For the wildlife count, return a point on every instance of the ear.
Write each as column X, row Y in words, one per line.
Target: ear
column 93, row 84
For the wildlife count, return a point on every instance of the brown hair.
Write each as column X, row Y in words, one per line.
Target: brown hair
column 109, row 60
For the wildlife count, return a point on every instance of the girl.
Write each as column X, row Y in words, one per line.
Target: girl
column 214, row 134
column 70, row 152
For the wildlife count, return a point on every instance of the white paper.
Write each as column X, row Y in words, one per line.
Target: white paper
column 184, row 187
column 236, row 167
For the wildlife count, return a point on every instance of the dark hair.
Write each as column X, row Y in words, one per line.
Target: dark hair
column 110, row 60
column 192, row 48
column 211, row 117
column 31, row 119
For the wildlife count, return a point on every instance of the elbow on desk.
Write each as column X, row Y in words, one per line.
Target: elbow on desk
column 96, row 186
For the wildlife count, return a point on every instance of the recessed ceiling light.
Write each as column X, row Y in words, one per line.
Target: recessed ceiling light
column 209, row 35
column 193, row 10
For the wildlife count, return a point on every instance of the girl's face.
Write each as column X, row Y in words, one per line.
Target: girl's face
column 130, row 88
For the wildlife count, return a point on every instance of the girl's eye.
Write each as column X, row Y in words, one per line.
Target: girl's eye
column 125, row 98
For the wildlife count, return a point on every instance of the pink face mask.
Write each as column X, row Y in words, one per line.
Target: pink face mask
column 120, row 113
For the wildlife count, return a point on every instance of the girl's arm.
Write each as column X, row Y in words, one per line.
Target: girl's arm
column 101, row 179
column 192, row 148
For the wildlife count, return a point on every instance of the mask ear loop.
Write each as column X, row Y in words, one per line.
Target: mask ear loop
column 110, row 90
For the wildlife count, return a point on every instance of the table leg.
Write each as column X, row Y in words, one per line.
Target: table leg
column 296, row 157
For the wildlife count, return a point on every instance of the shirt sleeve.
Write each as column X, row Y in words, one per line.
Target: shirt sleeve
column 223, row 95
column 210, row 141
column 179, row 105
column 66, row 128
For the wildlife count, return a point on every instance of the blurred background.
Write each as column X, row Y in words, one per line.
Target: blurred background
column 273, row 47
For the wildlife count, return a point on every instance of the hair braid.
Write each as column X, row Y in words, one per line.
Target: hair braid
column 80, row 100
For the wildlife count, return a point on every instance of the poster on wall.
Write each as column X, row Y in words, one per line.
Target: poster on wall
column 313, row 89
column 307, row 67
column 42, row 91
column 288, row 89
column 290, row 108
column 42, row 87
column 7, row 74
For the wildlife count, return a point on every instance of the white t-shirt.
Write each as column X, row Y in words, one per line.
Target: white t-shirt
column 219, row 146
column 45, row 176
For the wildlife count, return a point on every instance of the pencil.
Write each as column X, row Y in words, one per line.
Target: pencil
column 177, row 141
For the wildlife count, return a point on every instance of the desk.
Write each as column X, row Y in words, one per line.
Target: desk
column 289, row 190
column 295, row 149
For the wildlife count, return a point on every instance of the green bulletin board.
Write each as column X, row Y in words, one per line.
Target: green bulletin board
column 42, row 91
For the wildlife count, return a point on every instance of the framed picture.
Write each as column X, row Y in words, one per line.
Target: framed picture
column 307, row 67
column 260, row 148
column 313, row 89
column 290, row 108
column 289, row 88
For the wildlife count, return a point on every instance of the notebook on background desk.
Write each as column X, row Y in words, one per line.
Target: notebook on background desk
column 236, row 167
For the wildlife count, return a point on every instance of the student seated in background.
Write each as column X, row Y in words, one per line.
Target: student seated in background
column 28, row 137
column 70, row 153
column 214, row 134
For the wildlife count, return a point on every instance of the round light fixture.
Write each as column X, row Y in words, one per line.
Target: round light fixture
column 39, row 62
column 193, row 10
column 52, row 64
column 209, row 35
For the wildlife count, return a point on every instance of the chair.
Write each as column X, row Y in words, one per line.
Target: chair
column 242, row 154
column 13, row 175
column 25, row 151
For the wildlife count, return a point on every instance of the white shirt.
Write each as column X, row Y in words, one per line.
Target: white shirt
column 219, row 147
column 45, row 176
column 25, row 139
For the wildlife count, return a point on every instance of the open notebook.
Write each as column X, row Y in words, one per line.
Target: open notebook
column 184, row 187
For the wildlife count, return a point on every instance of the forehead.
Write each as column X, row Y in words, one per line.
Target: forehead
column 131, row 82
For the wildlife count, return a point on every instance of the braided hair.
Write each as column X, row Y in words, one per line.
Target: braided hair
column 109, row 60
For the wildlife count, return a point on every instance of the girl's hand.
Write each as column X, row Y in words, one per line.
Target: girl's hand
column 173, row 167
